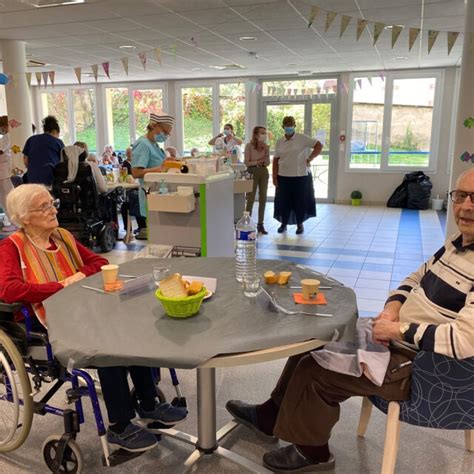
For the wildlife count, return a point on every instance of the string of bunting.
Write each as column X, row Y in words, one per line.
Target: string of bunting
column 329, row 17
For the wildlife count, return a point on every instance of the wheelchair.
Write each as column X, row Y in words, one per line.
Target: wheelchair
column 90, row 216
column 26, row 358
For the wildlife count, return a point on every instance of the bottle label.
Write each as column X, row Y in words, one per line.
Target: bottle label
column 245, row 235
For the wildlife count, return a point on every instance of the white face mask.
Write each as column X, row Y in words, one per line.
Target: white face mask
column 262, row 137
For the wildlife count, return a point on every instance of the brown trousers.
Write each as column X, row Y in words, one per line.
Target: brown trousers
column 308, row 396
column 260, row 180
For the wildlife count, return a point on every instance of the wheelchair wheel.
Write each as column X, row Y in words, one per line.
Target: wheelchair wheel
column 72, row 460
column 16, row 402
column 107, row 238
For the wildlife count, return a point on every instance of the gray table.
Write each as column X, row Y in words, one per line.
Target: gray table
column 87, row 328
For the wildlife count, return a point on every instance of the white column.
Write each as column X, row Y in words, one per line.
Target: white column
column 17, row 94
column 464, row 137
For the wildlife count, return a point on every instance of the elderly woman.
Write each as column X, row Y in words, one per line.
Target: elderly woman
column 294, row 197
column 40, row 260
column 148, row 156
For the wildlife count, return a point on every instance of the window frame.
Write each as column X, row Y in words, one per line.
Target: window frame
column 390, row 77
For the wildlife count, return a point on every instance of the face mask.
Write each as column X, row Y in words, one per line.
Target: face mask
column 227, row 132
column 161, row 137
column 289, row 130
column 262, row 137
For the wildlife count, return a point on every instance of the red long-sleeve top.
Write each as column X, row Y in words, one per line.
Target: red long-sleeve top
column 12, row 286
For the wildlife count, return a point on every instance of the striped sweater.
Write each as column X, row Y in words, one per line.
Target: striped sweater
column 438, row 301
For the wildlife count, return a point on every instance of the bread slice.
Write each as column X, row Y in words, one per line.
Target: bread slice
column 283, row 278
column 270, row 277
column 173, row 287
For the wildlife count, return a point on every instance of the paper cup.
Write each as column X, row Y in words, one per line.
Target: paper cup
column 109, row 273
column 310, row 288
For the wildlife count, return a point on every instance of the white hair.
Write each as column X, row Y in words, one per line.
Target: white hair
column 463, row 175
column 20, row 200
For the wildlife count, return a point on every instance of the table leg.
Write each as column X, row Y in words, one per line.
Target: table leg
column 128, row 231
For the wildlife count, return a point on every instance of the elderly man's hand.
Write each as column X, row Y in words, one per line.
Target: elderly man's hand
column 73, row 279
column 383, row 331
column 387, row 315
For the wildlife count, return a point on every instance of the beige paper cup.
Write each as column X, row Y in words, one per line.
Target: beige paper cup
column 109, row 273
column 310, row 288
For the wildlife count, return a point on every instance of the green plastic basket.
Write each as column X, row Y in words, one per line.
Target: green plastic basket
column 181, row 307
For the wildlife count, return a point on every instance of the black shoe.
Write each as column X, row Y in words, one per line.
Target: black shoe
column 261, row 229
column 246, row 414
column 299, row 229
column 281, row 229
column 289, row 459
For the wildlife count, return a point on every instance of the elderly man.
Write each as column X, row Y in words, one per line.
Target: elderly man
column 432, row 310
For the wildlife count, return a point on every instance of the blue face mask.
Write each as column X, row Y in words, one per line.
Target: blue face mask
column 227, row 132
column 289, row 130
column 161, row 137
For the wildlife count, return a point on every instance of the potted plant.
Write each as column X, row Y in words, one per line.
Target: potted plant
column 356, row 197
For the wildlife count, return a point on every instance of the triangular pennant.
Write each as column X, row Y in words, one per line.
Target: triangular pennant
column 378, row 28
column 95, row 71
column 38, row 78
column 369, row 78
column 106, row 68
column 396, row 30
column 125, row 65
column 382, row 75
column 361, row 24
column 359, row 83
column 158, row 55
column 77, row 72
column 28, row 78
column 142, row 57
column 312, row 15
column 432, row 36
column 345, row 20
column 452, row 37
column 51, row 75
column 330, row 17
column 412, row 35
column 45, row 78
column 173, row 49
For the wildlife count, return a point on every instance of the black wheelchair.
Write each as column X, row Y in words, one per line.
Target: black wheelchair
column 26, row 358
column 90, row 216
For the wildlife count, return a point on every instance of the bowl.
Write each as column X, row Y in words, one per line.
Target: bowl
column 181, row 307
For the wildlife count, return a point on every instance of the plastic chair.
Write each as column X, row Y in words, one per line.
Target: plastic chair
column 442, row 396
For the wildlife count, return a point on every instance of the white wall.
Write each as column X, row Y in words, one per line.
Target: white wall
column 377, row 187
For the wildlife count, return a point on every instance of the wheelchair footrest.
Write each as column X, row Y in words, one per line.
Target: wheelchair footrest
column 120, row 456
column 179, row 402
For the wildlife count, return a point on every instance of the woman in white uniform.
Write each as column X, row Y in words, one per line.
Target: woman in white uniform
column 5, row 171
column 226, row 142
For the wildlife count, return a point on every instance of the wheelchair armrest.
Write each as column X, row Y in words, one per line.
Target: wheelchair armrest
column 9, row 308
column 38, row 336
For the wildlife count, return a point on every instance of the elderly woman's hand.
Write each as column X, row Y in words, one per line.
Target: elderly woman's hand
column 73, row 279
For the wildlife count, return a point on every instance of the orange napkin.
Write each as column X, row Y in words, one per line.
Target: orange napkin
column 320, row 299
column 116, row 285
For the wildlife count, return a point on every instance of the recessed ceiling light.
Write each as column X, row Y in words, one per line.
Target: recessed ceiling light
column 247, row 38
column 196, row 69
column 401, row 57
column 304, row 73
column 291, row 64
column 53, row 3
column 127, row 46
column 390, row 27
column 228, row 67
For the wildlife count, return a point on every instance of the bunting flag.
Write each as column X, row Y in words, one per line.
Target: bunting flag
column 330, row 17
column 173, row 49
column 125, row 65
column 382, row 75
column 106, row 68
column 142, row 57
column 378, row 28
column 28, row 78
column 194, row 41
column 312, row 15
column 361, row 24
column 359, row 83
column 51, row 75
column 452, row 37
column 77, row 72
column 158, row 55
column 38, row 78
column 396, row 30
column 432, row 36
column 412, row 36
column 95, row 71
column 45, row 78
column 369, row 78
column 345, row 20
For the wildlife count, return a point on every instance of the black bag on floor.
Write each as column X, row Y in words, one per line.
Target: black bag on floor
column 413, row 193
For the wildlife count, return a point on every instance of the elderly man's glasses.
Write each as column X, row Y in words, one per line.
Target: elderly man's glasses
column 458, row 197
column 54, row 204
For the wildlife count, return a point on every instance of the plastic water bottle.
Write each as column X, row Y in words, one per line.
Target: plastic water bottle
column 245, row 247
column 163, row 188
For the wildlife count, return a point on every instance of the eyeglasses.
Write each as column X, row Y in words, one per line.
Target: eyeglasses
column 458, row 197
column 54, row 204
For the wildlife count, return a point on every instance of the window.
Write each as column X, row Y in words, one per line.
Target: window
column 232, row 107
column 145, row 101
column 118, row 117
column 84, row 117
column 197, row 118
column 393, row 121
column 56, row 103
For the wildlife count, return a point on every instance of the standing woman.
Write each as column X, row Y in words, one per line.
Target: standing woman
column 5, row 171
column 147, row 157
column 229, row 140
column 43, row 152
column 294, row 196
column 257, row 158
